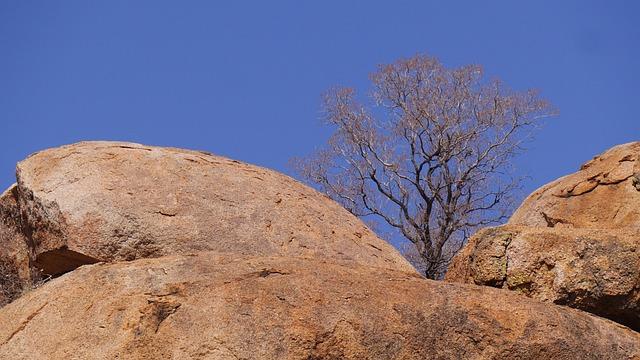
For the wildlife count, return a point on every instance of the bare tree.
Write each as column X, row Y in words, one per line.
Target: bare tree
column 430, row 154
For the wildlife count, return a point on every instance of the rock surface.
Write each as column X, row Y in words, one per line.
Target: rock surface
column 603, row 194
column 213, row 306
column 15, row 272
column 111, row 201
column 168, row 253
column 588, row 269
column 574, row 242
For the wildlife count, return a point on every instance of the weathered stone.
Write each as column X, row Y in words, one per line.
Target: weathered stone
column 201, row 257
column 593, row 270
column 15, row 272
column 574, row 242
column 212, row 306
column 111, row 201
column 603, row 194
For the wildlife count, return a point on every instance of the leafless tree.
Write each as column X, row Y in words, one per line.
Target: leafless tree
column 429, row 155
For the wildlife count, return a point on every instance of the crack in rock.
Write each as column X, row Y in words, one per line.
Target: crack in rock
column 24, row 324
column 587, row 186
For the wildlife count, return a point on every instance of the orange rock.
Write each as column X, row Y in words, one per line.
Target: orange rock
column 603, row 194
column 111, row 201
column 592, row 270
column 202, row 257
column 574, row 242
column 212, row 306
column 15, row 272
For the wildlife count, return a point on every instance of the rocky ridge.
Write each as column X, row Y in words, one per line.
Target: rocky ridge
column 168, row 253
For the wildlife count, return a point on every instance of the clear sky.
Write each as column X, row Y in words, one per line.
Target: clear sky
column 243, row 78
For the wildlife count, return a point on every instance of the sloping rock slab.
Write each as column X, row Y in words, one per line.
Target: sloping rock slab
column 223, row 307
column 593, row 270
column 15, row 270
column 111, row 201
column 603, row 194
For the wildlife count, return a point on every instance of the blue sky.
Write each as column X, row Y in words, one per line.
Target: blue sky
column 243, row 78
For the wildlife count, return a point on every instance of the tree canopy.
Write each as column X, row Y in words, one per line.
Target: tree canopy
column 429, row 153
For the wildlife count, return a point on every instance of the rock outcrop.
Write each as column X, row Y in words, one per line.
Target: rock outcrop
column 574, row 242
column 592, row 270
column 15, row 271
column 233, row 307
column 160, row 253
column 603, row 194
column 112, row 201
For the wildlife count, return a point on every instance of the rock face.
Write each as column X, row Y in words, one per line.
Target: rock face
column 604, row 194
column 592, row 270
column 163, row 253
column 235, row 307
column 111, row 201
column 15, row 271
column 574, row 242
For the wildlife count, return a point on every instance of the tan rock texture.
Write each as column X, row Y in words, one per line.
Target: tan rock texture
column 574, row 242
column 15, row 270
column 165, row 253
column 111, row 201
column 212, row 306
column 593, row 270
column 603, row 194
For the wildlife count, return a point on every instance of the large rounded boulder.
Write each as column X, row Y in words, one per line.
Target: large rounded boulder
column 160, row 253
column 110, row 201
column 603, row 194
column 573, row 242
column 212, row 306
column 592, row 270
